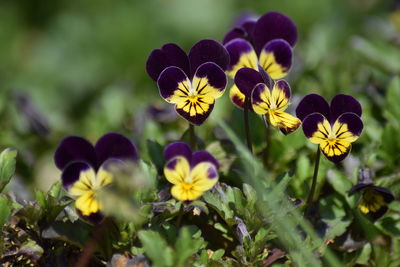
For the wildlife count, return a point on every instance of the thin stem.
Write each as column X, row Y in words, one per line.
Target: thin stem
column 192, row 136
column 180, row 215
column 267, row 140
column 246, row 123
column 314, row 183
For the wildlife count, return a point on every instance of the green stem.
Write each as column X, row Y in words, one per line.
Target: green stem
column 192, row 136
column 267, row 140
column 246, row 124
column 314, row 183
column 180, row 215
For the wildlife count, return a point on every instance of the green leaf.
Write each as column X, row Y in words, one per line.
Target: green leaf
column 77, row 233
column 7, row 166
column 218, row 254
column 365, row 254
column 251, row 195
column 334, row 216
column 156, row 248
column 186, row 246
column 5, row 211
column 155, row 151
column 56, row 190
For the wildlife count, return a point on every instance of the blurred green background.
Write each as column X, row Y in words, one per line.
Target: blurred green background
column 78, row 68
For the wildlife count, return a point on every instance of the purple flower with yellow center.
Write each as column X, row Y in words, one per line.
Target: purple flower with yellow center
column 86, row 168
column 191, row 82
column 333, row 127
column 191, row 174
column 266, row 42
column 267, row 97
column 374, row 199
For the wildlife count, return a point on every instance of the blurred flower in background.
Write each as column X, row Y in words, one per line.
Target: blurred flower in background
column 86, row 168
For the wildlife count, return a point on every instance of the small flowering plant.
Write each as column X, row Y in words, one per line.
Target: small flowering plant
column 266, row 42
column 191, row 174
column 374, row 199
column 86, row 168
column 267, row 97
column 191, row 82
column 333, row 127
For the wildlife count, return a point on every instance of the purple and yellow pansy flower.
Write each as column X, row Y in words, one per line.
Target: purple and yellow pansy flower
column 191, row 82
column 374, row 199
column 267, row 97
column 266, row 42
column 86, row 168
column 191, row 174
column 333, row 127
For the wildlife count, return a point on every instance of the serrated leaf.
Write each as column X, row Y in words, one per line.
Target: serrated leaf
column 7, row 166
column 185, row 246
column 156, row 248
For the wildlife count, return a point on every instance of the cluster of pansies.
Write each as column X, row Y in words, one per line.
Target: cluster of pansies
column 256, row 54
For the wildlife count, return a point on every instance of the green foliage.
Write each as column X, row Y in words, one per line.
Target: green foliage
column 73, row 68
column 7, row 166
column 161, row 254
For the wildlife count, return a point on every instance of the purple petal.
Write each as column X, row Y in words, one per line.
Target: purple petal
column 214, row 75
column 246, row 79
column 276, row 58
column 266, row 78
column 338, row 158
column 74, row 148
column 358, row 187
column 310, row 124
column 244, row 18
column 93, row 218
column 203, row 156
column 208, row 51
column 115, row 146
column 72, row 173
column 197, row 118
column 171, row 80
column 387, row 195
column 354, row 123
column 344, row 103
column 177, row 149
column 212, row 173
column 376, row 215
column 235, row 33
column 274, row 25
column 168, row 55
column 310, row 104
column 241, row 55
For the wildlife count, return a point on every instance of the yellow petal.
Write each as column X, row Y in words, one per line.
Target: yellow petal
column 87, row 179
column 270, row 65
column 204, row 176
column 284, row 121
column 176, row 170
